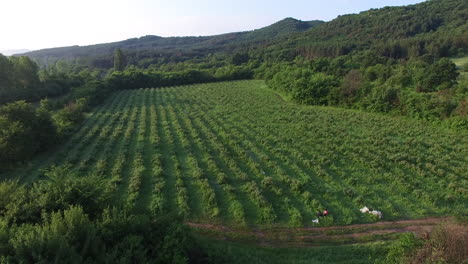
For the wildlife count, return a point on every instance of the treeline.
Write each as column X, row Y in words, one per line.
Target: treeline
column 29, row 128
column 133, row 78
column 440, row 44
column 26, row 130
column 69, row 218
column 22, row 79
column 419, row 88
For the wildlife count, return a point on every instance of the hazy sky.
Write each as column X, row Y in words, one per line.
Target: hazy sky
column 36, row 24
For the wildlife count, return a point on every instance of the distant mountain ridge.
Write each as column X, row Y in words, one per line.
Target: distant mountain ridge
column 14, row 51
column 282, row 28
column 436, row 27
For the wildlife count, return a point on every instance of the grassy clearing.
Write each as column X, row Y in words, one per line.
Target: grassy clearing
column 460, row 62
column 235, row 153
column 228, row 252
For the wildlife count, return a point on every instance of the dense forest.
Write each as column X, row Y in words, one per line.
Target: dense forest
column 21, row 78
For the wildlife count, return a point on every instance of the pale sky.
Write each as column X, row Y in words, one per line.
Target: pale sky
column 37, row 24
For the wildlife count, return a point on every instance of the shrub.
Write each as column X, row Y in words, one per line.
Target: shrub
column 69, row 117
column 316, row 90
column 62, row 189
column 447, row 244
column 295, row 217
column 237, row 212
column 23, row 132
column 399, row 250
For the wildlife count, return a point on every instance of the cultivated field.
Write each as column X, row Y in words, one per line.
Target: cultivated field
column 235, row 153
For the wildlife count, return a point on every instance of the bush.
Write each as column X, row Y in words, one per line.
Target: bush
column 24, row 131
column 447, row 244
column 314, row 90
column 68, row 236
column 62, row 189
column 401, row 249
column 74, row 224
column 67, row 119
column 295, row 217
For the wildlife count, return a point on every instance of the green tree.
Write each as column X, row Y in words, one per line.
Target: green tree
column 444, row 72
column 441, row 75
column 17, row 134
column 119, row 60
column 26, row 72
column 6, row 69
column 24, row 131
column 240, row 58
column 66, row 119
column 316, row 90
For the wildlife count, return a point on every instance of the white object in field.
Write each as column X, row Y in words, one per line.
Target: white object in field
column 364, row 210
column 378, row 213
column 374, row 212
column 315, row 221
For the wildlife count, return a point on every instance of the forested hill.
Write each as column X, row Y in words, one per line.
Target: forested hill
column 435, row 27
column 438, row 27
column 160, row 46
column 284, row 27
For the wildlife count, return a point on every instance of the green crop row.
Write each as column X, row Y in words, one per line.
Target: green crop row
column 236, row 153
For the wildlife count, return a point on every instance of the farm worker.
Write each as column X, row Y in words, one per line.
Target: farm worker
column 319, row 214
column 325, row 213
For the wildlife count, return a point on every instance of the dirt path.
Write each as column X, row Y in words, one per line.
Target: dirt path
column 319, row 236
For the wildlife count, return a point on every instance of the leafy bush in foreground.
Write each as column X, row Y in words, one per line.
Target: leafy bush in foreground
column 67, row 220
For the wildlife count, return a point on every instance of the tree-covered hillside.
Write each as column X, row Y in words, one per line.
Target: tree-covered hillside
column 171, row 48
column 436, row 27
column 282, row 28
